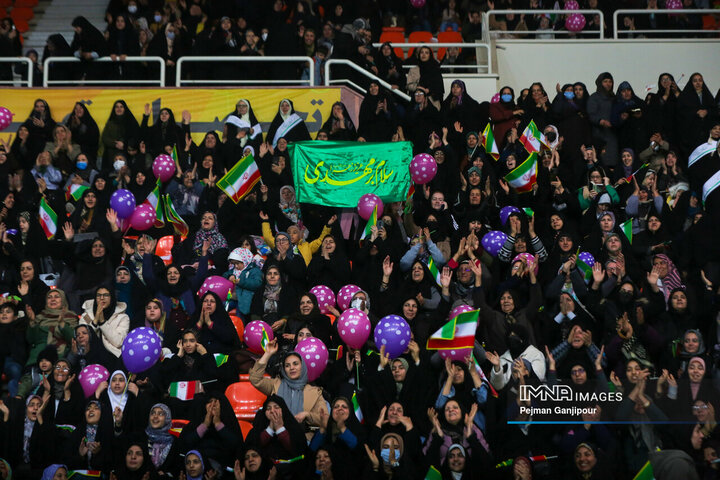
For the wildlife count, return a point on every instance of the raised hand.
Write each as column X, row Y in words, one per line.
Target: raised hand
column 445, row 277
column 550, row 359
column 387, row 266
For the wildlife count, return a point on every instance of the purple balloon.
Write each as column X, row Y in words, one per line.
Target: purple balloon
column 253, row 335
column 460, row 309
column 575, row 22
column 367, row 203
column 315, row 355
column 163, row 167
column 143, row 218
column 345, row 294
column 220, row 286
column 505, row 213
column 493, row 241
column 91, row 377
column 354, row 327
column 392, row 332
column 423, row 168
column 325, row 297
column 141, row 349
column 123, row 202
column 587, row 258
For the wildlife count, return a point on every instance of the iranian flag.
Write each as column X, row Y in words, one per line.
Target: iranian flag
column 533, row 139
column 264, row 340
column 645, row 473
column 368, row 226
column 491, row 147
column 220, row 359
column 154, row 199
column 626, row 227
column 356, row 408
column 241, row 179
column 80, row 474
column 434, row 270
column 433, row 474
column 457, row 333
column 184, row 390
column 48, row 219
column 75, row 192
column 181, row 228
column 524, row 176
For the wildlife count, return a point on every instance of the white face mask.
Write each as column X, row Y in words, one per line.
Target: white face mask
column 118, row 164
column 358, row 303
column 132, row 8
column 264, row 36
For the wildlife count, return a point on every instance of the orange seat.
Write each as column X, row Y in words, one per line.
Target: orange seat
column 163, row 249
column 21, row 25
column 245, row 427
column 418, row 37
column 239, row 326
column 448, row 37
column 394, row 29
column 394, row 37
column 26, row 3
column 6, row 3
column 245, row 399
column 22, row 13
column 332, row 318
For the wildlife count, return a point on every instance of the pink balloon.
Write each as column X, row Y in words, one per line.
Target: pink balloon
column 417, row 3
column 674, row 4
column 315, row 355
column 366, row 205
column 575, row 22
column 5, row 118
column 91, row 377
column 325, row 297
column 495, row 98
column 354, row 327
column 143, row 218
column 423, row 168
column 345, row 294
column 218, row 285
column 253, row 335
column 572, row 5
column 163, row 167
column 459, row 354
column 460, row 309
column 528, row 259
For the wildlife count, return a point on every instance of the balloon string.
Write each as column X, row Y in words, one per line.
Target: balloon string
column 357, row 373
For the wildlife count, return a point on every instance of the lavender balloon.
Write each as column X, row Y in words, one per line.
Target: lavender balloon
column 141, row 349
column 587, row 258
column 423, row 168
column 123, row 202
column 253, row 335
column 354, row 327
column 366, row 205
column 91, row 377
column 315, row 355
column 493, row 241
column 505, row 213
column 325, row 297
column 345, row 294
column 392, row 332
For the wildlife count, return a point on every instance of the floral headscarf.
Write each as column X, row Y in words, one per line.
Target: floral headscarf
column 160, row 440
column 217, row 241
column 290, row 209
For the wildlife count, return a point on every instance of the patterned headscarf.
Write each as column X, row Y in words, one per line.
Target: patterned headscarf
column 672, row 280
column 217, row 241
column 160, row 440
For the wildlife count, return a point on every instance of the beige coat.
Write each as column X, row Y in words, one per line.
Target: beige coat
column 113, row 330
column 313, row 401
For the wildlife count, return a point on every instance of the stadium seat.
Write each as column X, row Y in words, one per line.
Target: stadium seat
column 163, row 249
column 21, row 13
column 418, row 37
column 394, row 37
column 26, row 3
column 245, row 399
column 21, row 25
column 245, row 427
column 448, row 37
column 6, row 3
column 239, row 326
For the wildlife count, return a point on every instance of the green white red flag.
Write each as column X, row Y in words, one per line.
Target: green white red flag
column 525, row 175
column 184, row 390
column 241, row 179
column 48, row 219
column 457, row 333
column 491, row 147
column 533, row 139
column 75, row 191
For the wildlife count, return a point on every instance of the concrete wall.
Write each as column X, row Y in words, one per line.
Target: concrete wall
column 521, row 62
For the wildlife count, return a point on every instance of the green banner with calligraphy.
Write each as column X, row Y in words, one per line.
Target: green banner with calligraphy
column 337, row 174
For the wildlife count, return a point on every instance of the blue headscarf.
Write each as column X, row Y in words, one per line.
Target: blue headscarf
column 202, row 463
column 50, row 471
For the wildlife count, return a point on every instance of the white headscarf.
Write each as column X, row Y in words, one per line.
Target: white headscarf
column 118, row 399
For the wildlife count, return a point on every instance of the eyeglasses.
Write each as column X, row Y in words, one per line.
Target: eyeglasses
column 59, row 368
column 697, row 408
column 576, row 372
column 282, row 240
column 102, row 295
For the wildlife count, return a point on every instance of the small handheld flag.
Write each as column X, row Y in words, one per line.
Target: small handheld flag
column 241, row 179
column 523, row 177
column 489, row 143
column 626, row 227
column 457, row 333
column 48, row 219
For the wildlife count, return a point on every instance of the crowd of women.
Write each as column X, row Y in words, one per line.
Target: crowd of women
column 642, row 323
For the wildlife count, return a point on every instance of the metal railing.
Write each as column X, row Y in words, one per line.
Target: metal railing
column 25, row 60
column 49, row 61
column 362, row 71
column 182, row 60
column 436, row 46
column 554, row 33
column 663, row 11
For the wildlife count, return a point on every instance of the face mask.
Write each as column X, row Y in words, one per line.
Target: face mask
column 264, row 36
column 569, row 95
column 118, row 164
column 385, row 454
column 42, row 168
column 81, row 165
column 157, row 18
column 358, row 303
column 170, row 35
column 506, row 97
column 551, row 136
column 132, row 8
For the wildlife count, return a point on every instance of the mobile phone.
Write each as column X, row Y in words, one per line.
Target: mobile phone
column 380, row 224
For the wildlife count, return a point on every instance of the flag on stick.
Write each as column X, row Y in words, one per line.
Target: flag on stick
column 368, row 226
column 525, row 175
column 241, row 179
column 533, row 139
column 48, row 219
column 457, row 333
column 491, row 148
column 626, row 227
